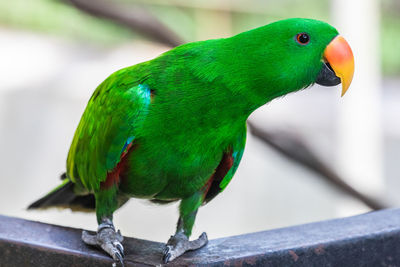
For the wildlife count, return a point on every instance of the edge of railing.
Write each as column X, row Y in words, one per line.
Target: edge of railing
column 371, row 239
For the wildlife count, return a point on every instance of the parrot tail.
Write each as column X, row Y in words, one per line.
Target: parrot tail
column 63, row 196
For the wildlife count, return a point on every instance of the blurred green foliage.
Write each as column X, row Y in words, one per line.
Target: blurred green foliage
column 390, row 37
column 56, row 18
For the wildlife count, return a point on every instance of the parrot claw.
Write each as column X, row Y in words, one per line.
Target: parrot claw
column 120, row 248
column 109, row 240
column 179, row 244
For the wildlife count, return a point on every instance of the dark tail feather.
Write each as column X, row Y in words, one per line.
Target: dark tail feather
column 63, row 176
column 63, row 196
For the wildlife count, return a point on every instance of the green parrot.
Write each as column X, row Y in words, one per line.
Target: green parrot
column 174, row 128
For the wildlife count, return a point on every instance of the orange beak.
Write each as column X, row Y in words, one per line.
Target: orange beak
column 339, row 55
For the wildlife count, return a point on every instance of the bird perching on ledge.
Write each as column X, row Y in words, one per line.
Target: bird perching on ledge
column 174, row 128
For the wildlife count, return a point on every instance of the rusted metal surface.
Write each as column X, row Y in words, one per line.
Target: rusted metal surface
column 371, row 239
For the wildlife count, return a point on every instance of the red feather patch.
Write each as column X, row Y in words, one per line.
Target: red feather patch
column 212, row 186
column 113, row 177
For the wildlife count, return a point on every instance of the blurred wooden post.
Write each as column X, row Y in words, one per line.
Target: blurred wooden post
column 359, row 132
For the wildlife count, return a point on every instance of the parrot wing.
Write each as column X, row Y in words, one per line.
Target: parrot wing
column 107, row 128
column 227, row 167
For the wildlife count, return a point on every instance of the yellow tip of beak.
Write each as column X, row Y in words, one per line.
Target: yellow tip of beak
column 339, row 55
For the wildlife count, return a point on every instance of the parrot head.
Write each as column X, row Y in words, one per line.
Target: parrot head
column 295, row 53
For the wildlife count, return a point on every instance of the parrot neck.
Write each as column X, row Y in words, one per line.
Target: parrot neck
column 220, row 79
column 251, row 74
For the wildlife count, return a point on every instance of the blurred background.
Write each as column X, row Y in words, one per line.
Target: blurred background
column 53, row 54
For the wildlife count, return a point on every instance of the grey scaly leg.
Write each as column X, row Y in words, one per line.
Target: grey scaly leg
column 179, row 243
column 108, row 239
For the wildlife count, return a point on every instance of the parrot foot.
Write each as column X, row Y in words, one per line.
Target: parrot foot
column 179, row 244
column 107, row 239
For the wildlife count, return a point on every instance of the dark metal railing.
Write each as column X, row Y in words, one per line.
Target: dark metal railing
column 371, row 239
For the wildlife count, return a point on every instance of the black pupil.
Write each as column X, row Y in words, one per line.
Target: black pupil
column 303, row 38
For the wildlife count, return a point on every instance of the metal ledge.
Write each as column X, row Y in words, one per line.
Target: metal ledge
column 371, row 239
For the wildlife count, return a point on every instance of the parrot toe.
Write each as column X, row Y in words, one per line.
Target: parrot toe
column 179, row 244
column 108, row 240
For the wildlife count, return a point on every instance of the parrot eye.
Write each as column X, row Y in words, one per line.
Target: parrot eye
column 303, row 38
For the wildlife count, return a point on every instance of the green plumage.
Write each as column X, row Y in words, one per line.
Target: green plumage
column 170, row 124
